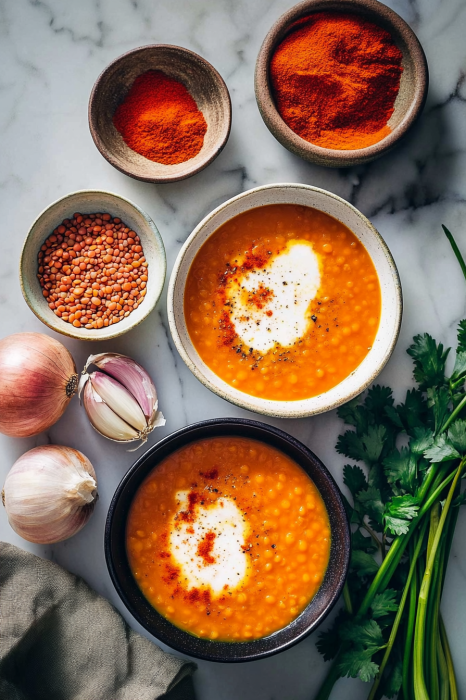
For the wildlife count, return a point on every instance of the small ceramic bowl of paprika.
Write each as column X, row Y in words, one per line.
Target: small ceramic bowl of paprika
column 182, row 98
column 338, row 149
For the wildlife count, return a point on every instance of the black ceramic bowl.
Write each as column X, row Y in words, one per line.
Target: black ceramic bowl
column 165, row 631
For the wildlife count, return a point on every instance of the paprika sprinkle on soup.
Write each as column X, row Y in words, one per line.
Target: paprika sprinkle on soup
column 335, row 79
column 160, row 120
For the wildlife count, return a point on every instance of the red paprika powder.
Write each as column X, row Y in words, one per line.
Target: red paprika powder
column 335, row 79
column 160, row 120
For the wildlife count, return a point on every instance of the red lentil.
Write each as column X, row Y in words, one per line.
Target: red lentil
column 84, row 265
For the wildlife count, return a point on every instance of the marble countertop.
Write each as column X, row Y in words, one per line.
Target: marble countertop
column 51, row 53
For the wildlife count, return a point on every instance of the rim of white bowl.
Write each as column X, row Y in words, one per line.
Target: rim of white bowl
column 99, row 334
column 279, row 409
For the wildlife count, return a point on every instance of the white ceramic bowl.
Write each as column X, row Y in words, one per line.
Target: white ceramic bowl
column 392, row 304
column 89, row 202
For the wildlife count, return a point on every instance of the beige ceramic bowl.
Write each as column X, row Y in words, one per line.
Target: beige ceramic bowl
column 89, row 202
column 408, row 104
column 392, row 304
column 204, row 84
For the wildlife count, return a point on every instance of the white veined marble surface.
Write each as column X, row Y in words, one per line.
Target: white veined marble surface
column 51, row 52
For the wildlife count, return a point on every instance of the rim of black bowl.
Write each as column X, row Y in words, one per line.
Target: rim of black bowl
column 108, row 155
column 160, row 627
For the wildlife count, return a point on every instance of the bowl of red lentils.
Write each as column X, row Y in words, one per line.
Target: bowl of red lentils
column 93, row 265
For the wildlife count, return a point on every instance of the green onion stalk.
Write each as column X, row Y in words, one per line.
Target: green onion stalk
column 425, row 661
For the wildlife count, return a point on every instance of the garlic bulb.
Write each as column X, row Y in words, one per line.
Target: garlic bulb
column 120, row 401
column 50, row 493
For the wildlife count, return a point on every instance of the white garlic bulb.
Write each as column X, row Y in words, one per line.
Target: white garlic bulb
column 120, row 401
column 50, row 493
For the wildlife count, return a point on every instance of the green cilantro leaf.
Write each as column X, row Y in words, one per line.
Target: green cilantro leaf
column 401, row 467
column 414, row 412
column 351, row 445
column 457, row 435
column 358, row 541
column 442, row 450
column 354, row 414
column 459, row 370
column 423, row 465
column 429, row 361
column 354, row 478
column 438, row 399
column 378, row 399
column 329, row 641
column 393, row 679
column 422, row 439
column 392, row 413
column 366, row 634
column 371, row 503
column 461, row 336
column 352, row 513
column 396, row 526
column 363, row 563
column 385, row 603
column 399, row 512
column 366, row 639
column 374, row 442
column 357, row 664
column 364, row 448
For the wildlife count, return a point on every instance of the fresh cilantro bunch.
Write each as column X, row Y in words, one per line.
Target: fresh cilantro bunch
column 405, row 495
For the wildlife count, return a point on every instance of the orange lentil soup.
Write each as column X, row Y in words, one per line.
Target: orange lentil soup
column 282, row 302
column 228, row 538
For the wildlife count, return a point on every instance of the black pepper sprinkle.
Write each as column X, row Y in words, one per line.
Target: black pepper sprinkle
column 314, row 318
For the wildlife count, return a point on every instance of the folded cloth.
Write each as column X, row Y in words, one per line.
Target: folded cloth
column 60, row 640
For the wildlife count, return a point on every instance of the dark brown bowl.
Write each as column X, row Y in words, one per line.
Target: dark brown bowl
column 409, row 102
column 160, row 627
column 204, row 84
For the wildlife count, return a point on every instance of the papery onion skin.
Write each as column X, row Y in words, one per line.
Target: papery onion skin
column 50, row 493
column 37, row 381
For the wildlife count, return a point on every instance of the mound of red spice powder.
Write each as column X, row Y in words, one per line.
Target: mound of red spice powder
column 205, row 548
column 335, row 79
column 160, row 120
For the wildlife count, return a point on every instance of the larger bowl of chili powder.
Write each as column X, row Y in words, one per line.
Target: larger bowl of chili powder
column 339, row 83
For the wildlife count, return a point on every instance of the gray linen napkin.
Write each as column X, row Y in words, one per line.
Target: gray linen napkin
column 60, row 640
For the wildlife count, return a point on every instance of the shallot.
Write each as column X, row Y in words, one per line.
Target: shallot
column 37, row 381
column 50, row 493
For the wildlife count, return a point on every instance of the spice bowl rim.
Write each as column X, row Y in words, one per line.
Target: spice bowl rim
column 130, row 170
column 67, row 329
column 213, row 650
column 328, row 156
column 352, row 385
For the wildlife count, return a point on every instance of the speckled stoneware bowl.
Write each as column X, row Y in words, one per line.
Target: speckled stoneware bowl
column 90, row 202
column 160, row 627
column 409, row 102
column 204, row 84
column 392, row 305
